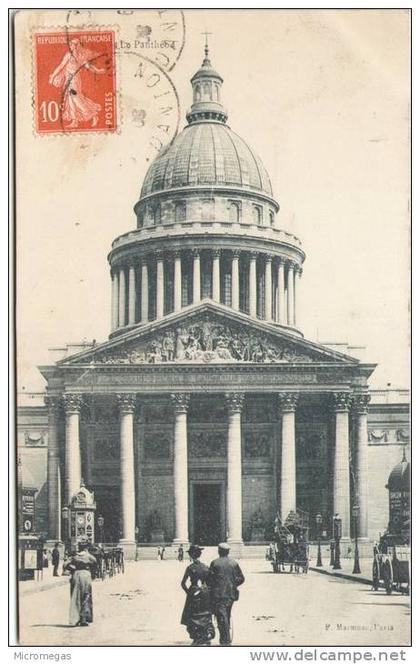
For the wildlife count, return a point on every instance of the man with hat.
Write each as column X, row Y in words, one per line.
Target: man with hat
column 224, row 578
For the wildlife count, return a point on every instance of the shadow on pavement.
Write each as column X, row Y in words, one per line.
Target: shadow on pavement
column 51, row 625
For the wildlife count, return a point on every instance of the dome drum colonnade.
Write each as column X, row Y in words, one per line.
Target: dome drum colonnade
column 154, row 285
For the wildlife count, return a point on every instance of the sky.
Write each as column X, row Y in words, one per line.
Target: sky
column 323, row 98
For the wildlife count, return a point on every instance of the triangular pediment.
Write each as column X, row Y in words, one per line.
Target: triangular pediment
column 207, row 333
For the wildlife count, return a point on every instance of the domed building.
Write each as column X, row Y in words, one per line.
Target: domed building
column 207, row 412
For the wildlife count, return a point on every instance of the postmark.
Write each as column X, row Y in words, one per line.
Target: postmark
column 152, row 110
column 75, row 81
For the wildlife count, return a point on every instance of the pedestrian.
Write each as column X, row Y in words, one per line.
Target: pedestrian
column 159, row 553
column 197, row 613
column 44, row 558
column 224, row 579
column 162, row 552
column 55, row 559
column 81, row 603
column 180, row 553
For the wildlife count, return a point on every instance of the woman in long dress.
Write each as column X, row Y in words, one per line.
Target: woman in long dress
column 76, row 106
column 80, row 567
column 197, row 614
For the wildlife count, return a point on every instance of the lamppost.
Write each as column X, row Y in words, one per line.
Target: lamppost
column 65, row 512
column 356, row 567
column 337, row 536
column 318, row 520
column 101, row 522
column 332, row 553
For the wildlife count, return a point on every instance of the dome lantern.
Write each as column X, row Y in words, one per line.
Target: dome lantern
column 206, row 84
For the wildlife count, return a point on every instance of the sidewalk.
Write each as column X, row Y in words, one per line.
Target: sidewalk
column 48, row 581
column 346, row 571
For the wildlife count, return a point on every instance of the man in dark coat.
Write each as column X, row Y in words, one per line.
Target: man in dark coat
column 224, row 579
column 55, row 559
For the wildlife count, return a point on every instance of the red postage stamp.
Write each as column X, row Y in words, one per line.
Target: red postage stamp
column 75, row 81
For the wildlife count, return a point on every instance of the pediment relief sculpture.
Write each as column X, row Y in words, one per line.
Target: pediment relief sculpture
column 205, row 341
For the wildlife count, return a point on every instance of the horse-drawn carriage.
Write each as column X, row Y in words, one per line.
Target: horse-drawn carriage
column 290, row 550
column 391, row 564
column 392, row 556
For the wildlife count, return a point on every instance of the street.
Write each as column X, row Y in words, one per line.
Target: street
column 143, row 607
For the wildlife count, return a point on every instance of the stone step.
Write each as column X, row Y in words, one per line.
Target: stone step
column 254, row 551
column 146, row 552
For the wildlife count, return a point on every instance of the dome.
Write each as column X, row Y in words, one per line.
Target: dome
column 206, row 153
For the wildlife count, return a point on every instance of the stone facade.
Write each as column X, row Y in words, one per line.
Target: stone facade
column 388, row 426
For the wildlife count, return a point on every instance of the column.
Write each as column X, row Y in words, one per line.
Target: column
column 121, row 298
column 296, row 280
column 160, row 284
column 268, row 289
column 290, row 294
column 144, row 291
column 235, row 280
column 177, row 281
column 215, row 287
column 72, row 473
column 360, row 405
column 281, row 267
column 131, row 295
column 288, row 402
column 114, row 300
column 234, row 402
column 253, row 284
column 196, row 277
column 53, row 470
column 341, row 499
column 127, row 403
column 181, row 402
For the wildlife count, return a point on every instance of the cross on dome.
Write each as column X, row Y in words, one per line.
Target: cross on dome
column 206, row 46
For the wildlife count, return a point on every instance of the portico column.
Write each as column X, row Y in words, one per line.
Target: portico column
column 181, row 403
column 127, row 403
column 159, row 284
column 196, row 277
column 235, row 280
column 281, row 293
column 53, row 470
column 72, row 473
column 341, row 499
column 360, row 405
column 114, row 305
column 215, row 289
column 290, row 294
column 131, row 295
column 253, row 284
column 288, row 402
column 268, row 289
column 177, row 281
column 234, row 401
column 121, row 299
column 144, row 291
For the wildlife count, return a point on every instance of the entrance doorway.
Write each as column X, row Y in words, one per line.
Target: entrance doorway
column 207, row 513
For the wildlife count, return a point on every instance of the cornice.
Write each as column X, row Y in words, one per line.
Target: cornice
column 139, row 245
